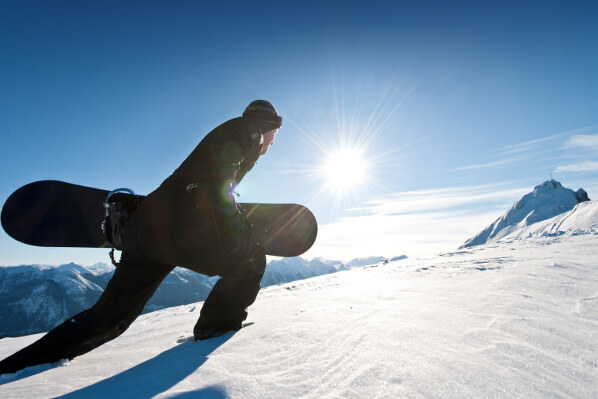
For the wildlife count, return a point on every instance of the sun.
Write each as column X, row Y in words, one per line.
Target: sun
column 344, row 169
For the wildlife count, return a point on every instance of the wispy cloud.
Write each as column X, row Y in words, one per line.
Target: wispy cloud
column 416, row 223
column 584, row 148
column 534, row 144
column 434, row 200
column 495, row 164
column 586, row 166
column 539, row 150
column 589, row 142
column 527, row 146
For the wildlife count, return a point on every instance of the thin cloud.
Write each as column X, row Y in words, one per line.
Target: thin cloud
column 416, row 223
column 589, row 142
column 392, row 235
column 535, row 151
column 495, row 164
column 533, row 144
column 586, row 166
column 581, row 145
column 442, row 199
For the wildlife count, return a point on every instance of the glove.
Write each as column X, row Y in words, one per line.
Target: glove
column 235, row 235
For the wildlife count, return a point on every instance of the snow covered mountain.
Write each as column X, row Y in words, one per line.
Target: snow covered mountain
column 36, row 298
column 547, row 200
column 508, row 320
column 291, row 269
column 582, row 219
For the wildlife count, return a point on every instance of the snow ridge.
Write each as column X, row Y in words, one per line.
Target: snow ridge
column 547, row 200
column 582, row 219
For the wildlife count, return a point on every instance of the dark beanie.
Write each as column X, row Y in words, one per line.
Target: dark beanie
column 263, row 111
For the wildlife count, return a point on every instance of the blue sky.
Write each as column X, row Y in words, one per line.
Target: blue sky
column 456, row 109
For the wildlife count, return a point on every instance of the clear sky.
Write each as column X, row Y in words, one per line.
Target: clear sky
column 448, row 113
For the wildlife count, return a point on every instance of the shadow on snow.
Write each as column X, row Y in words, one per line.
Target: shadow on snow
column 158, row 374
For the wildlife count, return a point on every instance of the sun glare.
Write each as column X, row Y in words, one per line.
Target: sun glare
column 347, row 144
column 344, row 169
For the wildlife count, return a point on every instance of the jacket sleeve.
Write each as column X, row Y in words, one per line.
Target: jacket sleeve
column 253, row 148
column 231, row 157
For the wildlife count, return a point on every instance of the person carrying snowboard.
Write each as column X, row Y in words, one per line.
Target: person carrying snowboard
column 192, row 220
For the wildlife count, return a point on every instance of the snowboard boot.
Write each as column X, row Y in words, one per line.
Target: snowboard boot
column 202, row 334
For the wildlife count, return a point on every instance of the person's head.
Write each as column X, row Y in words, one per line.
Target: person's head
column 263, row 116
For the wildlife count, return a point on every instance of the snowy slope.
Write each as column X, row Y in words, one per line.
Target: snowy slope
column 582, row 219
column 509, row 320
column 544, row 202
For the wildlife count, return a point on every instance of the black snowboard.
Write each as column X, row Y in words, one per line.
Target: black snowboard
column 57, row 214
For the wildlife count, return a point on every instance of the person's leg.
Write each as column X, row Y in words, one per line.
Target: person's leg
column 197, row 240
column 225, row 309
column 132, row 285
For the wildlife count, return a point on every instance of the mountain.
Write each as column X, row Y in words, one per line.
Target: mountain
column 360, row 262
column 33, row 297
column 547, row 200
column 509, row 320
column 290, row 269
column 36, row 298
column 582, row 219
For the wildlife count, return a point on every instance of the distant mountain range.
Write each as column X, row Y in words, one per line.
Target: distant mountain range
column 291, row 269
column 36, row 298
column 546, row 201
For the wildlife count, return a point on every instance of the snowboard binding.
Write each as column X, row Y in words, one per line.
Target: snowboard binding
column 118, row 206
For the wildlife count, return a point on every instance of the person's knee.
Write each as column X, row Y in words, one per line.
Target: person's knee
column 250, row 264
column 110, row 322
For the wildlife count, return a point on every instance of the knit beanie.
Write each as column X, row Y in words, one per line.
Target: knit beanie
column 263, row 111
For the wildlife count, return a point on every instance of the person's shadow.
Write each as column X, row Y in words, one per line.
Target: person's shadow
column 156, row 375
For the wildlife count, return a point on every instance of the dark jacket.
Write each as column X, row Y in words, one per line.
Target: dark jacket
column 218, row 163
column 193, row 213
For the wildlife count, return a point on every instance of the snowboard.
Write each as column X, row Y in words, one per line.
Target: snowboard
column 53, row 213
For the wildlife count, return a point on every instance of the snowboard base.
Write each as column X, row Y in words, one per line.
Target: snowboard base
column 53, row 213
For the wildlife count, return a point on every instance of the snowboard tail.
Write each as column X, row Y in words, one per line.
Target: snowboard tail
column 52, row 213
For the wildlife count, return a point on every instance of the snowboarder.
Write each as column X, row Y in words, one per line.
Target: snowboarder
column 191, row 220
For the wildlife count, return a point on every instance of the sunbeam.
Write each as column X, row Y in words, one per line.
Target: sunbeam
column 349, row 152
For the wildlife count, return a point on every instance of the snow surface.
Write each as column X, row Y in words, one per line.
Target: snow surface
column 509, row 319
column 582, row 219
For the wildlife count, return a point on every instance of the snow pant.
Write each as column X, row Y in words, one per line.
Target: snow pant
column 134, row 282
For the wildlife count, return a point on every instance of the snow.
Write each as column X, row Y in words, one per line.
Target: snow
column 100, row 268
column 516, row 318
column 582, row 219
column 544, row 202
